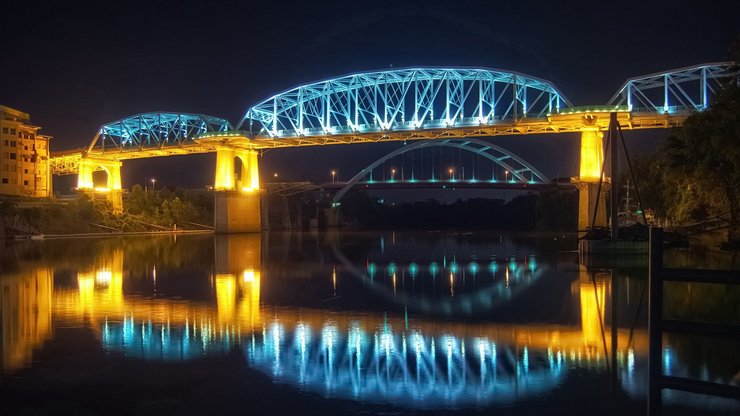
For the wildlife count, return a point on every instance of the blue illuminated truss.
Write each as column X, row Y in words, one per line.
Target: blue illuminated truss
column 403, row 99
column 518, row 169
column 676, row 91
column 155, row 130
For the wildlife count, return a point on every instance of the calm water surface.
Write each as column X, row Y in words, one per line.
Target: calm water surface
column 332, row 323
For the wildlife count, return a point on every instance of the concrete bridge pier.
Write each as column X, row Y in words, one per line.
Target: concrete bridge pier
column 332, row 217
column 591, row 161
column 285, row 213
column 112, row 189
column 237, row 205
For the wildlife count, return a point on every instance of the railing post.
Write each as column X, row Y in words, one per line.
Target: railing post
column 655, row 312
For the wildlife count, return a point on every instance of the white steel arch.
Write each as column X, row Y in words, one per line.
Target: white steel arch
column 521, row 171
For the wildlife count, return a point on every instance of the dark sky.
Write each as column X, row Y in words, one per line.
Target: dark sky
column 75, row 66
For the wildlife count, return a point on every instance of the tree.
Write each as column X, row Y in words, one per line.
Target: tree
column 702, row 158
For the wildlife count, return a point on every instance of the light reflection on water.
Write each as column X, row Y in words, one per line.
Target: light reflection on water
column 405, row 355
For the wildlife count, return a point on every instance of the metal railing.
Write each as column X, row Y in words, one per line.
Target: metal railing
column 658, row 324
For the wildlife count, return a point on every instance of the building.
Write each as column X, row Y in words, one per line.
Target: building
column 24, row 156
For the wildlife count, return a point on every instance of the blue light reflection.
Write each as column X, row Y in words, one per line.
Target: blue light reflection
column 408, row 368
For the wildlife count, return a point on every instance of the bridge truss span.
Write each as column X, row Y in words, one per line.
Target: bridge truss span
column 676, row 91
column 403, row 100
column 155, row 131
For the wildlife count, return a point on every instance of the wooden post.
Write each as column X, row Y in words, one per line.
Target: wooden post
column 614, row 162
column 655, row 315
column 615, row 327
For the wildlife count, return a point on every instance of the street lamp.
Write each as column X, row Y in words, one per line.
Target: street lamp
column 507, row 175
column 452, row 174
column 275, row 175
column 153, row 182
column 333, row 176
column 393, row 175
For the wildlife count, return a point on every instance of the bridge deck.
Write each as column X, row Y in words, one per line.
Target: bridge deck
column 64, row 162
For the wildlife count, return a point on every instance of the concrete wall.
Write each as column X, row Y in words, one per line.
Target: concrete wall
column 237, row 212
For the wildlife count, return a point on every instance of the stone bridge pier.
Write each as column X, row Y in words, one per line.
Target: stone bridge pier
column 237, row 204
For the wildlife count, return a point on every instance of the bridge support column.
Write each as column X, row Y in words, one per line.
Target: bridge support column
column 592, row 158
column 332, row 217
column 237, row 205
column 285, row 213
column 112, row 190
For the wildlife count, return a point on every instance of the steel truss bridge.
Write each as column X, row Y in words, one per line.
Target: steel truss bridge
column 404, row 104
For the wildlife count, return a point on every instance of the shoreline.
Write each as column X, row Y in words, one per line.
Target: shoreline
column 127, row 233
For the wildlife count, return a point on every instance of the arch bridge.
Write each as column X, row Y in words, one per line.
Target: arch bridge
column 420, row 103
column 495, row 166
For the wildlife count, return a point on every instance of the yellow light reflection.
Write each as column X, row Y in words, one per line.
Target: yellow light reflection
column 249, row 305
column 592, row 311
column 334, row 280
column 226, row 297
column 25, row 309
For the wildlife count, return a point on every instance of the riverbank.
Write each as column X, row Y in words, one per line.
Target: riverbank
column 153, row 211
column 128, row 233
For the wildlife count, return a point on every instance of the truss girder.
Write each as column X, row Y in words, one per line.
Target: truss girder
column 679, row 90
column 403, row 99
column 521, row 171
column 155, row 130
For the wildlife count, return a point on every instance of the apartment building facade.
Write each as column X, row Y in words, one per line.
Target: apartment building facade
column 24, row 156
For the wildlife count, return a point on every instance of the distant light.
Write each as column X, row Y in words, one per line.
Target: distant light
column 413, row 269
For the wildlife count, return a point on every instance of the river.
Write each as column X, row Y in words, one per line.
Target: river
column 344, row 323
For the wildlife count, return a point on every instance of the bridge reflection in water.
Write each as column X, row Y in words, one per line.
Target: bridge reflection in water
column 367, row 356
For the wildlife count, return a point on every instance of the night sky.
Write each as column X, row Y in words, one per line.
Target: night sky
column 75, row 66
